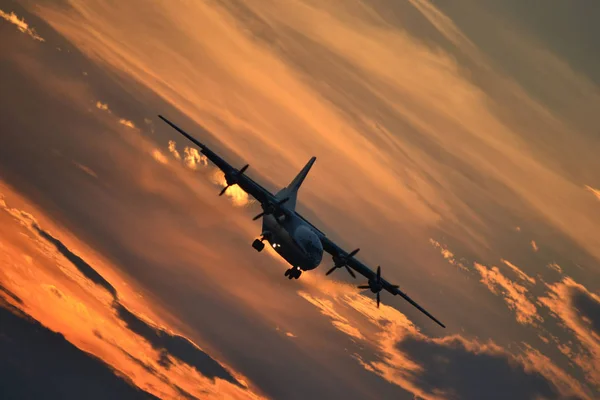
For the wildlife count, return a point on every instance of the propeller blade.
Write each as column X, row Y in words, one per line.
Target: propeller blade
column 224, row 190
column 350, row 271
column 245, row 167
column 378, row 299
column 353, row 253
column 378, row 272
column 331, row 270
column 364, row 287
column 258, row 216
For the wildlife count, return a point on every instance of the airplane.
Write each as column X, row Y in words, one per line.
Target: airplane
column 291, row 235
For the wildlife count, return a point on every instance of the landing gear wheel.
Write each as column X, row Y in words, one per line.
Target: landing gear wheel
column 258, row 245
column 293, row 273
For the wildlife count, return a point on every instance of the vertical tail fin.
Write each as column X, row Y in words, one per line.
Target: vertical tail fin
column 291, row 190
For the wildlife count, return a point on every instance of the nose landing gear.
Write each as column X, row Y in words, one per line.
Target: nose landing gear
column 293, row 272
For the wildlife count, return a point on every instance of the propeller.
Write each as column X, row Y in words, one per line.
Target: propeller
column 232, row 179
column 271, row 208
column 376, row 285
column 342, row 262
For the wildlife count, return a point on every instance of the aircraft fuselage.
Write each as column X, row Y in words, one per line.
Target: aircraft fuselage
column 294, row 240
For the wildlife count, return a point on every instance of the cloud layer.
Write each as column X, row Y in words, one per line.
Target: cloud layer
column 435, row 133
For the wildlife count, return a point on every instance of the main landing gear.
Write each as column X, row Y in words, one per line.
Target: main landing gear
column 293, row 272
column 258, row 245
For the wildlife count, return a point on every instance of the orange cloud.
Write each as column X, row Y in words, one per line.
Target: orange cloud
column 388, row 114
column 534, row 246
column 68, row 295
column 513, row 294
column 173, row 150
column 423, row 365
column 448, row 255
column 327, row 309
column 159, row 156
column 126, row 123
column 555, row 267
column 593, row 191
column 102, row 106
column 250, row 103
column 519, row 272
column 21, row 25
column 577, row 309
column 193, row 158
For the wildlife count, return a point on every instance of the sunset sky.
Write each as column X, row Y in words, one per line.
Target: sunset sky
column 457, row 145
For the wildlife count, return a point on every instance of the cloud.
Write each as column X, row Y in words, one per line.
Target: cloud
column 448, row 255
column 86, row 169
column 21, row 25
column 11, row 295
column 522, row 275
column 555, row 267
column 513, row 294
column 534, row 246
column 173, row 364
column 445, row 367
column 533, row 360
column 173, row 150
column 593, row 191
column 486, row 371
column 33, row 353
column 159, row 156
column 192, row 158
column 410, row 140
column 126, row 123
column 578, row 310
column 170, row 345
column 102, row 106
column 327, row 309
column 83, row 267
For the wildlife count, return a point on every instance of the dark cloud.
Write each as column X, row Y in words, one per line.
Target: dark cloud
column 153, row 371
column 77, row 262
column 11, row 295
column 169, row 345
column 589, row 309
column 462, row 373
column 175, row 346
column 39, row 363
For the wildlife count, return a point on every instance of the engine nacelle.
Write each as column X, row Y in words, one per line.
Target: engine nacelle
column 375, row 286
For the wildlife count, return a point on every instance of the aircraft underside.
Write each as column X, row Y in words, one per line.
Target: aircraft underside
column 278, row 237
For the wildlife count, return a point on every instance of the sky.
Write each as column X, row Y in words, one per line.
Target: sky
column 456, row 145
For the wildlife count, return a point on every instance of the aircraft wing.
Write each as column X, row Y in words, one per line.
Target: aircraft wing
column 336, row 251
column 271, row 204
column 232, row 175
